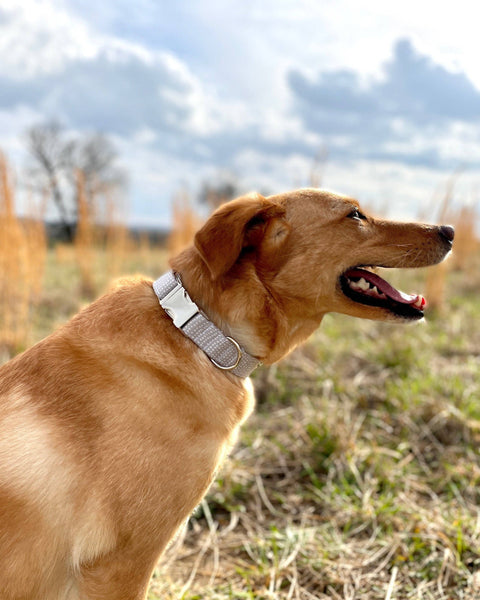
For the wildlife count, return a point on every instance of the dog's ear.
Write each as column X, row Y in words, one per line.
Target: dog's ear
column 241, row 223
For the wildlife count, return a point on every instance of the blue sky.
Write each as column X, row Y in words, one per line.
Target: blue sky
column 194, row 91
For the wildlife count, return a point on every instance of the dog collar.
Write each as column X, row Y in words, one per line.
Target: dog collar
column 224, row 352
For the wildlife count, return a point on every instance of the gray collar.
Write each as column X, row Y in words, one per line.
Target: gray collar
column 224, row 352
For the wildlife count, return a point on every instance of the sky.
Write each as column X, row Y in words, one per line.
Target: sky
column 387, row 94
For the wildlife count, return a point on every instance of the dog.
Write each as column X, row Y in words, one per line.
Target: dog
column 113, row 427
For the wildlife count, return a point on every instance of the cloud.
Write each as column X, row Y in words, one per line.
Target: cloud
column 111, row 84
column 115, row 92
column 419, row 89
column 41, row 37
column 56, row 64
column 152, row 97
column 180, row 110
column 365, row 120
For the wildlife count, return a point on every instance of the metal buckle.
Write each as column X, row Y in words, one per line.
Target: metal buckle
column 239, row 356
column 179, row 306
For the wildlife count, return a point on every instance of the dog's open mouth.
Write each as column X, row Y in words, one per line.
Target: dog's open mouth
column 369, row 288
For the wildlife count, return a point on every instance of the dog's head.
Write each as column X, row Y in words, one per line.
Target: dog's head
column 291, row 258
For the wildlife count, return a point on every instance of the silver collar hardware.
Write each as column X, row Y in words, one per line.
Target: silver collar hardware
column 178, row 305
column 223, row 351
column 239, row 356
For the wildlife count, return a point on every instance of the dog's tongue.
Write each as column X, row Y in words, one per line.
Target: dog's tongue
column 386, row 288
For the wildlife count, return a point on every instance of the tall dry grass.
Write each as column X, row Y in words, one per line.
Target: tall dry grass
column 37, row 243
column 317, row 170
column 467, row 243
column 465, row 248
column 102, row 240
column 101, row 228
column 22, row 262
column 85, row 238
column 185, row 223
column 117, row 239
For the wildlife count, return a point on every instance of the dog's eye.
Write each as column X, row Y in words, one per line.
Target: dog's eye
column 356, row 214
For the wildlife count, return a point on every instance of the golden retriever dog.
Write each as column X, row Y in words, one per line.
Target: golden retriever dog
column 113, row 427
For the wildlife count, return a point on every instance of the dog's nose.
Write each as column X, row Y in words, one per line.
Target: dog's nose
column 447, row 232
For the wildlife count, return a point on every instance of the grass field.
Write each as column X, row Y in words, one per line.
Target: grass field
column 358, row 477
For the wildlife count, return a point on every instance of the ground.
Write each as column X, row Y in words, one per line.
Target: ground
column 358, row 477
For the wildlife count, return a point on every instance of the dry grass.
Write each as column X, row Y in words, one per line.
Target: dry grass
column 22, row 258
column 85, row 238
column 185, row 223
column 464, row 255
column 117, row 240
column 466, row 245
column 99, row 254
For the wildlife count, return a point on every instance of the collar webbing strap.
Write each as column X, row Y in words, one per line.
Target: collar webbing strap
column 224, row 352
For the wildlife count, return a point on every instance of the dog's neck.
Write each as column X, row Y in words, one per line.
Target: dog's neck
column 244, row 309
column 224, row 351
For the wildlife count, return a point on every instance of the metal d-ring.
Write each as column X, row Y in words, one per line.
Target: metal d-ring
column 239, row 356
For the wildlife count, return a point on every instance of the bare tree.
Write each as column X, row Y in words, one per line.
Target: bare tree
column 51, row 159
column 56, row 159
column 95, row 156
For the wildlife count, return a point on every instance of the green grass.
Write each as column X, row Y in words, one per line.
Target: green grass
column 357, row 477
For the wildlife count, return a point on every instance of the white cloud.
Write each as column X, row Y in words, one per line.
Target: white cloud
column 41, row 37
column 188, row 89
column 400, row 116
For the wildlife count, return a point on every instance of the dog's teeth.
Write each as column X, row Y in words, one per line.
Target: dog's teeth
column 363, row 284
column 374, row 290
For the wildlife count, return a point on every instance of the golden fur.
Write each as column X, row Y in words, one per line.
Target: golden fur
column 112, row 428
